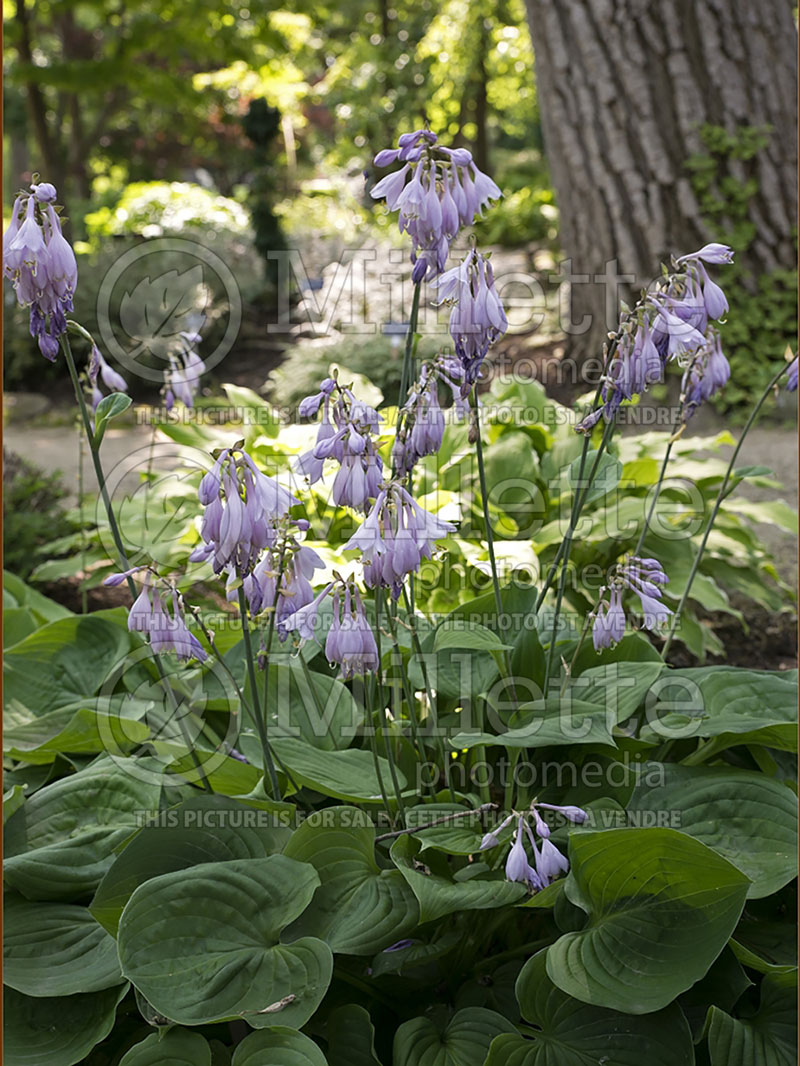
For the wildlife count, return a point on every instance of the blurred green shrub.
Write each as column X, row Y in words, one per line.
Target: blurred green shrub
column 33, row 514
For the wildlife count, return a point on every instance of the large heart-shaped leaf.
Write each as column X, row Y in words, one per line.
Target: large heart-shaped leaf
column 345, row 775
column 732, row 705
column 277, row 1046
column 570, row 1033
column 61, row 842
column 747, row 818
column 204, row 944
column 205, row 828
column 63, row 662
column 464, row 633
column 307, row 705
column 351, row 1037
column 768, row 1038
column 89, row 727
column 660, row 908
column 546, row 723
column 618, row 687
column 173, row 1047
column 438, row 895
column 56, row 1031
column 56, row 949
column 358, row 908
column 463, row 1041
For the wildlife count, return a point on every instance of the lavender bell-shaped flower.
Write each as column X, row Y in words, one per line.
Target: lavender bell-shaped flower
column 41, row 265
column 477, row 319
column 791, row 378
column 351, row 642
column 518, row 868
column 167, row 632
column 609, row 622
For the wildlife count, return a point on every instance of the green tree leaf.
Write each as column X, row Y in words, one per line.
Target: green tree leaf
column 660, row 908
column 358, row 908
column 204, row 944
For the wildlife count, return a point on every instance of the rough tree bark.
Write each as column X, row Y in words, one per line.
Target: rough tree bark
column 624, row 87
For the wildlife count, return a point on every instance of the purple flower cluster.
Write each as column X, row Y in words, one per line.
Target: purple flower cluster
column 436, row 191
column 298, row 562
column 40, row 263
column 242, row 507
column 645, row 578
column 421, row 427
column 350, row 642
column 671, row 323
column 347, row 434
column 477, row 318
column 395, row 537
column 150, row 614
column 548, row 862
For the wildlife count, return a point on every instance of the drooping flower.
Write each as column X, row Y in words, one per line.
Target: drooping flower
column 477, row 318
column 518, row 868
column 98, row 367
column 242, row 506
column 436, row 191
column 791, row 377
column 710, row 253
column 303, row 621
column 395, row 537
column 350, row 642
column 167, row 631
column 645, row 578
column 40, row 263
column 182, row 377
column 347, row 434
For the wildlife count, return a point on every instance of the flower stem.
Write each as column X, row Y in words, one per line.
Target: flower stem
column 578, row 502
column 717, row 504
column 382, row 705
column 258, row 714
column 121, row 553
column 656, row 494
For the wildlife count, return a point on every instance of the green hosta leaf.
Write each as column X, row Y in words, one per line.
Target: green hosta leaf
column 660, row 908
column 737, row 706
column 277, row 1046
column 458, row 837
column 345, row 775
column 205, row 828
column 768, row 1038
column 56, row 1031
column 204, row 944
column 90, row 727
column 56, row 949
column 556, row 721
column 18, row 623
column 358, row 908
column 438, row 895
column 463, row 633
column 570, row 1033
column 317, row 708
column 351, row 1037
column 747, row 818
column 618, row 687
column 414, row 953
column 175, row 1047
column 606, row 477
column 722, row 986
column 61, row 842
column 109, row 407
column 63, row 662
column 43, row 609
column 463, row 1041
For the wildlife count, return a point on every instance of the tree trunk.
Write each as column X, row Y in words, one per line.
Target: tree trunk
column 624, row 88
